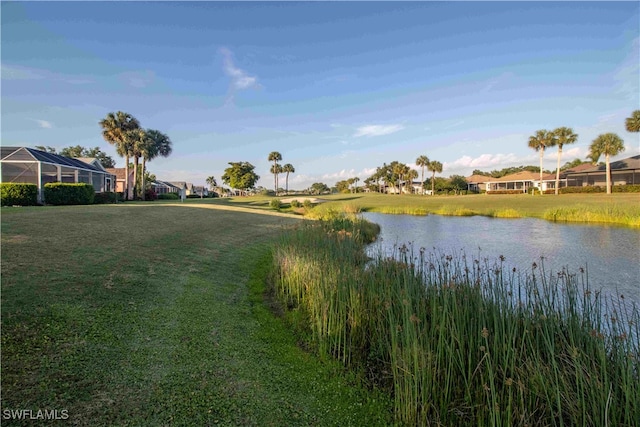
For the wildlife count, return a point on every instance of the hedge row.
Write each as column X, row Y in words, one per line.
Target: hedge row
column 506, row 192
column 168, row 196
column 18, row 194
column 598, row 189
column 59, row 193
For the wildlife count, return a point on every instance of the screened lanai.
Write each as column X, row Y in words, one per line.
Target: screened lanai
column 31, row 166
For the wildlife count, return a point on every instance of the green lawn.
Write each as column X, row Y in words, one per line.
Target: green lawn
column 154, row 315
column 617, row 208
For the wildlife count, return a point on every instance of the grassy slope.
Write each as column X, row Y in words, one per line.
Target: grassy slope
column 526, row 205
column 618, row 208
column 129, row 315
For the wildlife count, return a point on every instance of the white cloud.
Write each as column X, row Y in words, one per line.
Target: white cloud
column 493, row 161
column 377, row 130
column 44, row 124
column 239, row 78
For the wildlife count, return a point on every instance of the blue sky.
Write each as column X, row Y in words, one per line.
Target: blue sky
column 337, row 88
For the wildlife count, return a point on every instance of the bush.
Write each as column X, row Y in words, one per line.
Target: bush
column 149, row 194
column 18, row 194
column 307, row 204
column 509, row 192
column 169, row 196
column 104, row 198
column 59, row 193
column 194, row 196
column 597, row 189
column 295, row 204
column 275, row 204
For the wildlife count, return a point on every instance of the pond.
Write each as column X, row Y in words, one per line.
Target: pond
column 609, row 255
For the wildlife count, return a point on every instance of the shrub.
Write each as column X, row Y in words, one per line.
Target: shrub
column 104, row 198
column 60, row 193
column 635, row 188
column 598, row 189
column 194, row 196
column 168, row 196
column 18, row 194
column 295, row 204
column 149, row 194
column 275, row 204
column 509, row 192
column 307, row 204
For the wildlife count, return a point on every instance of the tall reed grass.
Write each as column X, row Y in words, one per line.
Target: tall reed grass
column 612, row 214
column 461, row 341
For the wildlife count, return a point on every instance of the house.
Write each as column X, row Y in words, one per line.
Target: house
column 163, row 187
column 623, row 172
column 188, row 187
column 477, row 183
column 32, row 166
column 521, row 182
column 405, row 187
column 120, row 180
column 201, row 191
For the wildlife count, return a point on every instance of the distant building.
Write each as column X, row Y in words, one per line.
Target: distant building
column 623, row 172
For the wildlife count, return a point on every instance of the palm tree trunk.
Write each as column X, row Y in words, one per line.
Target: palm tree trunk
column 541, row 154
column 558, row 169
column 136, row 159
column 287, row 181
column 144, row 162
column 608, row 171
column 433, row 183
column 126, row 177
column 275, row 178
column 422, row 181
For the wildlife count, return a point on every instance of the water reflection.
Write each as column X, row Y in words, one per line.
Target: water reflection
column 610, row 255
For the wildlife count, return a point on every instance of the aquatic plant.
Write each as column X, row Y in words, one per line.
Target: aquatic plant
column 459, row 340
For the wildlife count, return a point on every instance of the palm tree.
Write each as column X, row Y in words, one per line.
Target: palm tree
column 212, row 182
column 288, row 168
column 397, row 171
column 411, row 175
column 608, row 144
column 541, row 140
column 633, row 122
column 275, row 170
column 275, row 157
column 355, row 183
column 156, row 144
column 423, row 162
column 139, row 142
column 563, row 136
column 115, row 128
column 434, row 166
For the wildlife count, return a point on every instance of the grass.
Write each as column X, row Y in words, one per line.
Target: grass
column 458, row 341
column 151, row 314
column 618, row 208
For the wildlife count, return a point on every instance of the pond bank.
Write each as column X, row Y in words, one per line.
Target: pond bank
column 444, row 335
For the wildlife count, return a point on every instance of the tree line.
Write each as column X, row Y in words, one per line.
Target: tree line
column 131, row 141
